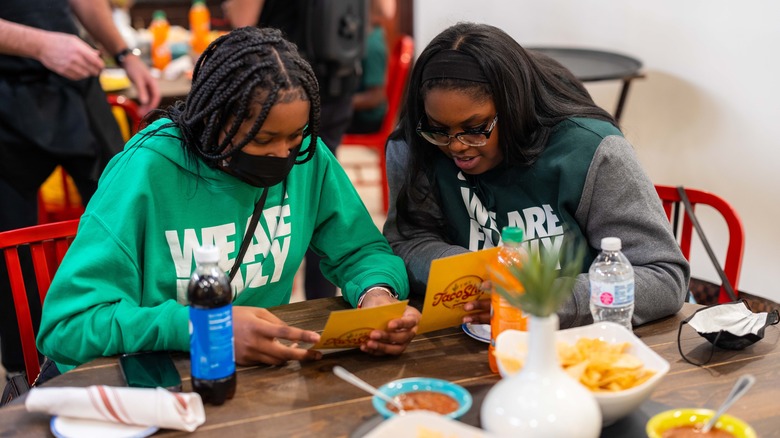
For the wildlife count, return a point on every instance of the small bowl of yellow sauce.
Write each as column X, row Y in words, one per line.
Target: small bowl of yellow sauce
column 685, row 423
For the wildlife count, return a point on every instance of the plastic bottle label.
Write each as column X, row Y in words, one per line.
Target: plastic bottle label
column 211, row 342
column 612, row 294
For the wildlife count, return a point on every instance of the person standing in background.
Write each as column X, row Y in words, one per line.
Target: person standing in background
column 370, row 101
column 291, row 16
column 53, row 112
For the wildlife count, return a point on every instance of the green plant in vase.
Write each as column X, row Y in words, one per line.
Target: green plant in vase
column 545, row 286
column 541, row 400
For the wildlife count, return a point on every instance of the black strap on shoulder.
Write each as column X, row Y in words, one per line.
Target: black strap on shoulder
column 250, row 231
column 706, row 243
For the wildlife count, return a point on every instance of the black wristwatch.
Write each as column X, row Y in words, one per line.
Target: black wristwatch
column 120, row 57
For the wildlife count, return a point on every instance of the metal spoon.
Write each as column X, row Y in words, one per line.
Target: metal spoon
column 365, row 386
column 740, row 388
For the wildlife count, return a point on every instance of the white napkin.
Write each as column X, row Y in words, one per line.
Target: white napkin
column 140, row 406
column 734, row 318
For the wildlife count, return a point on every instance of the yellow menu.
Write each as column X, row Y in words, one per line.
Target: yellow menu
column 453, row 282
column 350, row 328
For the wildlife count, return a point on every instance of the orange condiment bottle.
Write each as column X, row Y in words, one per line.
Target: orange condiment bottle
column 161, row 52
column 504, row 316
column 200, row 26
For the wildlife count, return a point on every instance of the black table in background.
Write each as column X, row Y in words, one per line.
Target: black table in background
column 597, row 65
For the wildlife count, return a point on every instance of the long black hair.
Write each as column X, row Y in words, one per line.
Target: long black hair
column 238, row 70
column 532, row 93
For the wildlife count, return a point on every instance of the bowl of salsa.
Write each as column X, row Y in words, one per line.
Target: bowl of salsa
column 686, row 423
column 424, row 393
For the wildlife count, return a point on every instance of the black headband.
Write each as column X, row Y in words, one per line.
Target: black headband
column 454, row 65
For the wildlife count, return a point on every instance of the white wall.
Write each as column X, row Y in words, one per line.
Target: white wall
column 705, row 116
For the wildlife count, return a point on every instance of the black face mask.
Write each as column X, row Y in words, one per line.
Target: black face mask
column 732, row 326
column 261, row 171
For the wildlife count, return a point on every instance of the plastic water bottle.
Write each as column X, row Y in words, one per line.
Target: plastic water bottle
column 212, row 353
column 612, row 285
column 504, row 316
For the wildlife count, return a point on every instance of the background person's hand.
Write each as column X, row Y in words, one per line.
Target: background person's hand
column 483, row 307
column 145, row 85
column 397, row 337
column 257, row 332
column 69, row 56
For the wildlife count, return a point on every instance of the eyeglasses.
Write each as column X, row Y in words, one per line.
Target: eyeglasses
column 472, row 138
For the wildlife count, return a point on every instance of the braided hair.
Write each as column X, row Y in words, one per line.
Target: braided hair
column 237, row 71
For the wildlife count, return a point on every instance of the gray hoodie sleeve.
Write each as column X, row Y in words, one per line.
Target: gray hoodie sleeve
column 417, row 247
column 619, row 200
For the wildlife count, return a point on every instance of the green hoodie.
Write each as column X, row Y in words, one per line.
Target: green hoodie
column 122, row 286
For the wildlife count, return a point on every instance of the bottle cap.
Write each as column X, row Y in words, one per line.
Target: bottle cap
column 512, row 234
column 206, row 254
column 611, row 244
column 159, row 15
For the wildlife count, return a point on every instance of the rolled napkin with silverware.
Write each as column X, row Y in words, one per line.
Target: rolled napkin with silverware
column 137, row 406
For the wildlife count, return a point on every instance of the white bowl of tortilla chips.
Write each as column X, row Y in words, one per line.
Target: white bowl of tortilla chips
column 606, row 358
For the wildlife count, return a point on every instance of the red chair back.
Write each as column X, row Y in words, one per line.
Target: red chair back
column 64, row 200
column 399, row 65
column 130, row 108
column 736, row 246
column 48, row 244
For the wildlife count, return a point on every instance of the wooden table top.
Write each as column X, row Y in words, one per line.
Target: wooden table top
column 306, row 399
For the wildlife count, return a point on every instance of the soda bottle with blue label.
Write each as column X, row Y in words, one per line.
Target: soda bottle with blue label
column 212, row 353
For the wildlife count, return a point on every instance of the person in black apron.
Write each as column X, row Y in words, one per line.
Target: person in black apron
column 294, row 18
column 53, row 112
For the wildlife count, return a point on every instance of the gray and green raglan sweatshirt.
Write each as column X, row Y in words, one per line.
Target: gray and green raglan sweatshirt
column 588, row 180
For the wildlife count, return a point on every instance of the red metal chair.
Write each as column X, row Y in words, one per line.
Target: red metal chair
column 131, row 112
column 58, row 199
column 48, row 244
column 399, row 64
column 684, row 231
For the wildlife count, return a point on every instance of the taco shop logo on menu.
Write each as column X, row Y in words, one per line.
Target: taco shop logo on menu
column 459, row 292
column 352, row 338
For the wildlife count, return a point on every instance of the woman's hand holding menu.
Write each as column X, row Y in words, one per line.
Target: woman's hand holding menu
column 257, row 332
column 398, row 335
column 483, row 307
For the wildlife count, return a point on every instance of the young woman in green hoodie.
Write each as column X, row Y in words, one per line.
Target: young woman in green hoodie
column 244, row 141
